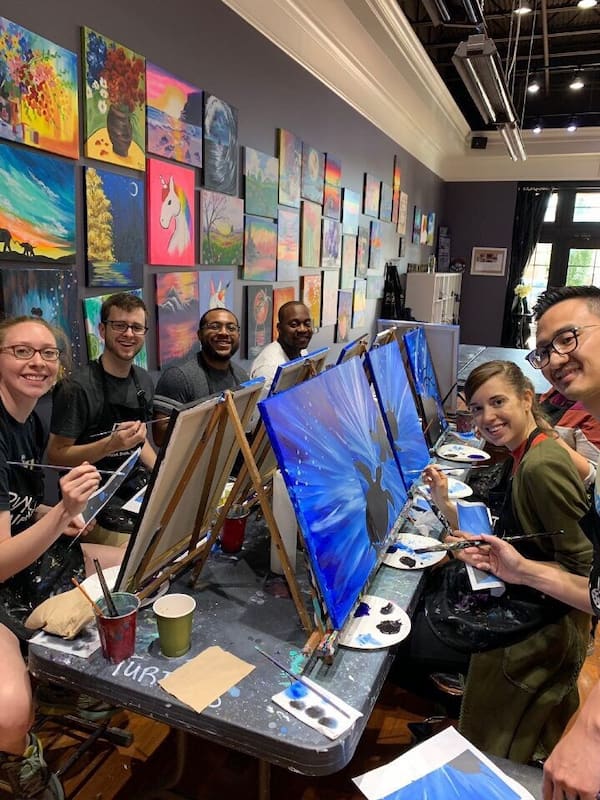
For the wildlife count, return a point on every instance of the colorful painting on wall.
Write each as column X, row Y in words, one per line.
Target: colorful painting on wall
column 344, row 317
column 372, row 191
column 288, row 244
column 375, row 246
column 174, row 111
column 329, row 303
column 221, row 229
column 359, row 303
column 115, row 102
column 313, row 173
column 38, row 95
column 396, row 179
column 311, row 297
column 290, row 168
column 331, row 252
column 91, row 319
column 50, row 294
column 114, row 213
column 284, row 294
column 348, row 262
column 385, row 202
column 220, row 145
column 310, row 240
column 216, row 289
column 37, row 207
column 431, row 229
column 260, row 249
column 416, row 231
column 177, row 314
column 259, row 318
column 362, row 252
column 374, row 287
column 423, row 236
column 332, row 198
column 333, row 170
column 350, row 212
column 171, row 214
column 402, row 213
column 342, row 478
column 261, row 183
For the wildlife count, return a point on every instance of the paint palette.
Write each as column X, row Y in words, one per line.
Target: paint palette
column 311, row 707
column 401, row 554
column 376, row 623
column 462, row 453
column 457, row 490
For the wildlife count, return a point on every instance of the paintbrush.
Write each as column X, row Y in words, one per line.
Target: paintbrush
column 464, row 543
column 58, row 467
column 463, row 467
column 118, row 427
column 94, row 605
column 304, row 682
column 110, row 603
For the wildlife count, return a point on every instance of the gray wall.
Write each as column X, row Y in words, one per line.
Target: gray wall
column 480, row 215
column 207, row 44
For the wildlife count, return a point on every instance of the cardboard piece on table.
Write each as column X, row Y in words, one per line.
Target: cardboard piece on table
column 202, row 679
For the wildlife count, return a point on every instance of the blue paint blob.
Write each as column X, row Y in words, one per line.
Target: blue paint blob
column 296, row 690
column 234, row 691
column 283, row 731
column 366, row 639
column 363, row 610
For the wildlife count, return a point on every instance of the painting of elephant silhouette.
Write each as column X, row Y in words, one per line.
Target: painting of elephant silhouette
column 5, row 238
column 27, row 249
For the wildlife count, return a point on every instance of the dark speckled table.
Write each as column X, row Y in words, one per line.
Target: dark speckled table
column 240, row 605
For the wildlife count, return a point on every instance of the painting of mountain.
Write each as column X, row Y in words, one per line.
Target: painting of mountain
column 177, row 314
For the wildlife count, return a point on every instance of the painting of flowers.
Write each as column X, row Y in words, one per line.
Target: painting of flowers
column 171, row 214
column 375, row 246
column 284, row 294
column 91, row 319
column 37, row 207
column 350, row 212
column 344, row 315
column 290, row 166
column 259, row 318
column 362, row 252
column 221, row 229
column 371, row 193
column 50, row 294
column 216, row 289
column 348, row 262
column 38, row 91
column 173, row 117
column 288, row 244
column 359, row 303
column 313, row 173
column 115, row 101
column 261, row 183
column 177, row 314
column 331, row 251
column 329, row 305
column 385, row 202
column 260, row 249
column 220, row 145
column 114, row 207
column 311, row 297
column 310, row 240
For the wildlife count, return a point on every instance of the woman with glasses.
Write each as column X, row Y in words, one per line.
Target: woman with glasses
column 35, row 559
column 519, row 699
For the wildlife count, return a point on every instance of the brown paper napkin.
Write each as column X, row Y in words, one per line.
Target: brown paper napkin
column 207, row 676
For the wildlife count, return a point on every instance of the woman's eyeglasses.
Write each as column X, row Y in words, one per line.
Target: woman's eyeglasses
column 23, row 352
column 563, row 343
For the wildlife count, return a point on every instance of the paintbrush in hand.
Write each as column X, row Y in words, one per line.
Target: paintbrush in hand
column 110, row 603
column 464, row 543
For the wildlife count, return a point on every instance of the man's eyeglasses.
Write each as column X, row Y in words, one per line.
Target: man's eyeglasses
column 23, row 352
column 122, row 327
column 563, row 343
column 230, row 327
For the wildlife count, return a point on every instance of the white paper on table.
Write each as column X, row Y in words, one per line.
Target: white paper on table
column 83, row 645
column 424, row 759
column 336, row 723
column 135, row 503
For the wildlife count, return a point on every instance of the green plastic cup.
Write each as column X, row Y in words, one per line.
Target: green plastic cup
column 174, row 615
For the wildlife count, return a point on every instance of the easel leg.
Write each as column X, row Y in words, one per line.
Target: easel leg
column 264, row 779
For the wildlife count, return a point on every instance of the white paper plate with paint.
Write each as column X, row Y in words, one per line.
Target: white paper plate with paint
column 376, row 623
column 462, row 453
column 457, row 490
column 401, row 554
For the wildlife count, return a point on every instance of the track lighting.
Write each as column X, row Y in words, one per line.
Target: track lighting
column 537, row 128
column 576, row 82
column 534, row 86
column 523, row 8
column 584, row 4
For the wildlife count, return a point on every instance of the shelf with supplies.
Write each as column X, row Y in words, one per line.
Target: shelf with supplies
column 434, row 296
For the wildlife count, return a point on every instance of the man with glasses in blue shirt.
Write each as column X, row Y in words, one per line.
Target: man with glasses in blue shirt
column 568, row 353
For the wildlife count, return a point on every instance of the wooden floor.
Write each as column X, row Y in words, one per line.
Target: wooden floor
column 216, row 773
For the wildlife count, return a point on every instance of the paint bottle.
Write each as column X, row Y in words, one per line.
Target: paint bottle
column 285, row 518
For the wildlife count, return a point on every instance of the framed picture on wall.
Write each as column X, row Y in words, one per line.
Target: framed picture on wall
column 488, row 261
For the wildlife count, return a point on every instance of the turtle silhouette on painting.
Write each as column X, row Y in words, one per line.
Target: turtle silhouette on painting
column 377, row 499
column 5, row 238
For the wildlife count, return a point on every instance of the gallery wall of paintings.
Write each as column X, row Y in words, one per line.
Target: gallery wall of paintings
column 122, row 170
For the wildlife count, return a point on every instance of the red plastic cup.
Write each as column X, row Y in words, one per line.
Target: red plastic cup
column 233, row 531
column 117, row 634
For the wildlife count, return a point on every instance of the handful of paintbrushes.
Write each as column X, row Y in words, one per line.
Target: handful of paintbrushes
column 465, row 543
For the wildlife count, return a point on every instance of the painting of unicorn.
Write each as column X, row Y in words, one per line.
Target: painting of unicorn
column 171, row 223
column 175, row 207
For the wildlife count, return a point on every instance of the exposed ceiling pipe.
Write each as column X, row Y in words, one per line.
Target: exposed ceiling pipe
column 544, row 10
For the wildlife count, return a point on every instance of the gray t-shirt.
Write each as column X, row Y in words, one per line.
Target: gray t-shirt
column 195, row 379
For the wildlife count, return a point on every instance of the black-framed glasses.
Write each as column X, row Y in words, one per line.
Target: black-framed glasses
column 563, row 343
column 230, row 327
column 24, row 352
column 122, row 327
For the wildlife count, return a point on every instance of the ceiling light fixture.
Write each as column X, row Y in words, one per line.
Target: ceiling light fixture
column 572, row 126
column 511, row 133
column 534, row 86
column 584, row 4
column 523, row 8
column 439, row 11
column 537, row 129
column 576, row 82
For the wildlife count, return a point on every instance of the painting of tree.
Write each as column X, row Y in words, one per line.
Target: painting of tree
column 221, row 229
